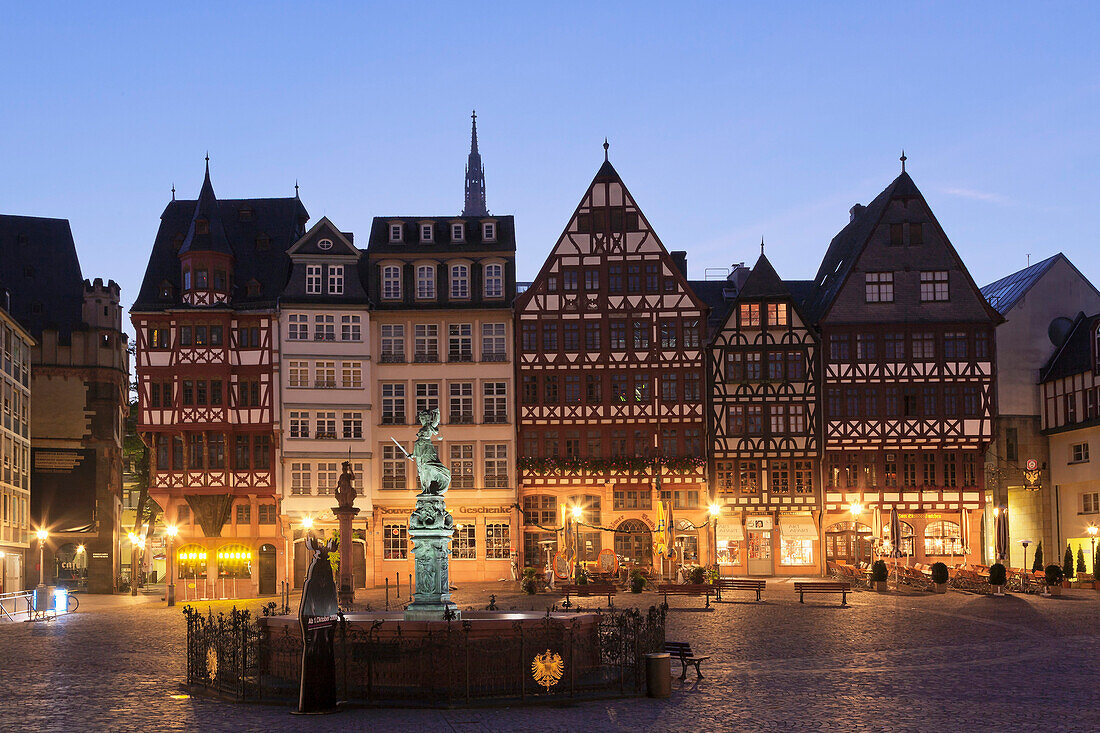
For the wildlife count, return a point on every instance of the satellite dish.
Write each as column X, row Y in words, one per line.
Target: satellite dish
column 1058, row 330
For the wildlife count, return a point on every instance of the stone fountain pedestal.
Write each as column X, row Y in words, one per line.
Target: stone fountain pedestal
column 431, row 527
column 345, row 584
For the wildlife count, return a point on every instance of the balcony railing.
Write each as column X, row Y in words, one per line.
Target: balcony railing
column 394, row 419
column 325, row 384
column 428, row 357
column 389, row 357
column 324, row 337
column 496, row 482
column 498, row 416
column 494, row 356
column 326, row 435
column 460, row 356
column 462, row 418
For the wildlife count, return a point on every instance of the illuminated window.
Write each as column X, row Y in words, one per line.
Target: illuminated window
column 464, row 542
column 395, row 542
column 943, row 538
column 796, row 552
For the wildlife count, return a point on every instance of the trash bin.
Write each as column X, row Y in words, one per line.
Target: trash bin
column 658, row 674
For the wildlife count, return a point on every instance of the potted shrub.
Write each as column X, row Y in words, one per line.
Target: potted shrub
column 879, row 575
column 712, row 574
column 1081, row 560
column 637, row 581
column 697, row 575
column 1067, row 567
column 530, row 583
column 582, row 575
column 1054, row 578
column 1037, row 566
column 997, row 578
column 939, row 577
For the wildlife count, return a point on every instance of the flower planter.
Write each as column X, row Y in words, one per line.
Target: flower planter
column 1054, row 590
column 939, row 587
column 880, row 585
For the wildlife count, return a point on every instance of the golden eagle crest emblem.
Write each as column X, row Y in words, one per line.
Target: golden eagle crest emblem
column 547, row 668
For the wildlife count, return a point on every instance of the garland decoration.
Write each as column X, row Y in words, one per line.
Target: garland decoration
column 619, row 464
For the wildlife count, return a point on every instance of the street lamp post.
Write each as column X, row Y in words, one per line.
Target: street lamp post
column 170, row 593
column 137, row 544
column 577, row 560
column 714, row 510
column 41, row 593
column 1092, row 529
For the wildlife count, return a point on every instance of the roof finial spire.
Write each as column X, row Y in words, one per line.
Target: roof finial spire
column 903, row 159
column 295, row 188
column 475, row 176
column 761, row 244
column 606, row 145
column 173, row 190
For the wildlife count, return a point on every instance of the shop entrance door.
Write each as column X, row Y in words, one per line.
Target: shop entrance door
column 267, row 570
column 759, row 540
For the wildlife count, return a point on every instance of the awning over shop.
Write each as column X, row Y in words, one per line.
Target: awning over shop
column 798, row 527
column 729, row 529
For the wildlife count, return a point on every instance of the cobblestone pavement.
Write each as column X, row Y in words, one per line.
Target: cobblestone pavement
column 893, row 662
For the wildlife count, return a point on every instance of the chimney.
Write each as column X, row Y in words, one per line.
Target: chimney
column 855, row 211
column 738, row 275
column 680, row 258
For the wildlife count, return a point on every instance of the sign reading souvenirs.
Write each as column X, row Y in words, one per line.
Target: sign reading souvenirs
column 317, row 616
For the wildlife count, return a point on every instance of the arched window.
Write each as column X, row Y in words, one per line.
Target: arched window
column 425, row 282
column 234, row 561
column 460, row 281
column 943, row 538
column 591, row 540
column 191, row 562
column 907, row 549
column 494, row 281
column 634, row 543
column 391, row 282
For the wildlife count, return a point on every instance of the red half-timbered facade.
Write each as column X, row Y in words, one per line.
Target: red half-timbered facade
column 762, row 368
column 207, row 359
column 907, row 384
column 611, row 380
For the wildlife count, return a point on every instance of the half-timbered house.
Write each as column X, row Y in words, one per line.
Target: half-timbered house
column 207, row 362
column 763, row 424
column 908, row 383
column 611, row 379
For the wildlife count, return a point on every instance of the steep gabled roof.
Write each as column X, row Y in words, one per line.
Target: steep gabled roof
column 41, row 272
column 763, row 282
column 1005, row 293
column 1074, row 355
column 258, row 245
column 848, row 245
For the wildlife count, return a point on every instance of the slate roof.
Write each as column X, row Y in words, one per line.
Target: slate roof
column 1074, row 356
column 711, row 292
column 379, row 240
column 1005, row 293
column 280, row 220
column 847, row 245
column 212, row 240
column 763, row 282
column 41, row 272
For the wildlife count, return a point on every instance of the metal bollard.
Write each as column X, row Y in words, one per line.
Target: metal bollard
column 398, row 576
column 387, row 594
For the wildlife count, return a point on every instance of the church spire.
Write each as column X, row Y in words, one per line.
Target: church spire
column 475, row 177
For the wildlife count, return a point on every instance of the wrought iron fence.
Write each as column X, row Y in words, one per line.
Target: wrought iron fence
column 237, row 656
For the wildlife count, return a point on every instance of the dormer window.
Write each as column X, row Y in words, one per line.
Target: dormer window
column 426, row 232
column 489, row 231
column 458, row 232
column 395, row 232
column 177, row 242
column 460, row 282
column 324, row 245
column 202, row 226
column 391, row 282
column 425, row 282
column 263, row 242
column 166, row 290
column 244, row 213
column 202, row 279
column 335, row 279
column 220, row 282
column 313, row 279
column 253, row 288
column 186, row 279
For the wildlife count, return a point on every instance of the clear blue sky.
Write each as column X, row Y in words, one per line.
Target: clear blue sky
column 727, row 121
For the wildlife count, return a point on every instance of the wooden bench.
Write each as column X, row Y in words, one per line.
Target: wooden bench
column 685, row 589
column 682, row 650
column 738, row 584
column 823, row 586
column 587, row 589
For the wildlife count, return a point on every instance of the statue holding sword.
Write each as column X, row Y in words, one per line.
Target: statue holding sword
column 435, row 478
